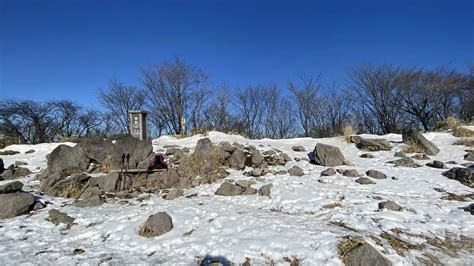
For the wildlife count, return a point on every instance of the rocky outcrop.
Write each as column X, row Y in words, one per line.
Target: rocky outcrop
column 156, row 225
column 463, row 175
column 371, row 144
column 412, row 137
column 327, row 155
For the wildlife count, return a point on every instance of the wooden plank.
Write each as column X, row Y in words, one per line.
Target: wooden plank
column 137, row 171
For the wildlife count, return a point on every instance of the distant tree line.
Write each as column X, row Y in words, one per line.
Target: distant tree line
column 181, row 100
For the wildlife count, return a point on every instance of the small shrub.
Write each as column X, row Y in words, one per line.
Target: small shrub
column 448, row 123
column 463, row 132
column 412, row 147
column 347, row 132
column 346, row 246
column 465, row 141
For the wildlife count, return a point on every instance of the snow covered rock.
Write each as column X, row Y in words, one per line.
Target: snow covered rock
column 390, row 205
column 469, row 156
column 376, row 174
column 296, row 171
column 371, row 144
column 11, row 187
column 411, row 136
column 15, row 204
column 328, row 172
column 367, row 255
column 156, row 225
column 463, row 175
column 327, row 155
column 57, row 217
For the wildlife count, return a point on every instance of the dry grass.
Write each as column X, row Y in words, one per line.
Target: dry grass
column 462, row 132
column 106, row 165
column 73, row 190
column 456, row 197
column 412, row 147
column 8, row 152
column 469, row 142
column 448, row 123
column 347, row 132
column 347, row 245
column 400, row 246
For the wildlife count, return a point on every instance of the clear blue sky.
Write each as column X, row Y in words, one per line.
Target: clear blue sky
column 69, row 49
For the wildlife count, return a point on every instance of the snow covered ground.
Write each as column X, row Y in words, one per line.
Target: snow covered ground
column 294, row 222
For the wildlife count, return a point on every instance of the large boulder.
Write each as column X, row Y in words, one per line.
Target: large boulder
column 366, row 255
column 371, row 144
column 65, row 160
column 156, row 225
column 11, row 187
column 15, row 204
column 327, row 155
column 463, row 175
column 296, row 171
column 412, row 137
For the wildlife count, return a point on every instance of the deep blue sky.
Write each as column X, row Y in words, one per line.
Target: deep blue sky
column 69, row 49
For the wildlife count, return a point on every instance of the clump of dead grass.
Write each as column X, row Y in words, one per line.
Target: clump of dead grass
column 412, row 147
column 347, row 245
column 469, row 142
column 347, row 132
column 457, row 127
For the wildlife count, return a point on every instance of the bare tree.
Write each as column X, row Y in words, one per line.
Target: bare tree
column 176, row 93
column 378, row 90
column 305, row 95
column 217, row 113
column 118, row 99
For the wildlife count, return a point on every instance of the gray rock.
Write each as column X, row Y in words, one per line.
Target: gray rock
column 57, row 217
column 389, row 205
column 348, row 172
column 257, row 158
column 327, row 155
column 237, row 159
column 257, row 172
column 469, row 208
column 298, row 148
column 228, row 189
column 65, row 160
column 463, row 175
column 438, row 189
column 173, row 194
column 348, row 163
column 469, row 156
column 367, row 155
column 364, row 181
column 421, row 156
column 226, row 146
column 15, row 204
column 411, row 136
column 38, row 206
column 371, row 144
column 11, row 187
column 16, row 173
column 269, row 153
column 243, row 183
column 376, row 174
column 296, row 171
column 328, row 172
column 249, row 191
column 437, row 164
column 367, row 255
column 156, row 225
column 107, row 183
column 265, row 190
column 405, row 162
column 400, row 154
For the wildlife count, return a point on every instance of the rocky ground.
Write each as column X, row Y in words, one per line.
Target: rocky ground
column 245, row 201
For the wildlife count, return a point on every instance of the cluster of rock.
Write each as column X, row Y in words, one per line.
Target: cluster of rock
column 463, row 175
column 242, row 187
column 14, row 171
column 15, row 202
column 207, row 164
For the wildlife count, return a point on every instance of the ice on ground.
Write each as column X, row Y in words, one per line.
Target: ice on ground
column 294, row 222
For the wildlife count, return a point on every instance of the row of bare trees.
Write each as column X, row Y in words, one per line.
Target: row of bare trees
column 181, row 100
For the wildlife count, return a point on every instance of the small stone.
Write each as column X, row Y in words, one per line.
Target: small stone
column 389, row 205
column 328, row 172
column 367, row 155
column 394, row 178
column 156, row 225
column 376, row 174
column 437, row 164
column 78, row 251
column 348, row 172
column 11, row 187
column 364, row 181
column 265, row 190
column 57, row 217
column 296, row 171
column 438, row 189
column 257, row 172
column 298, row 148
column 404, row 162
